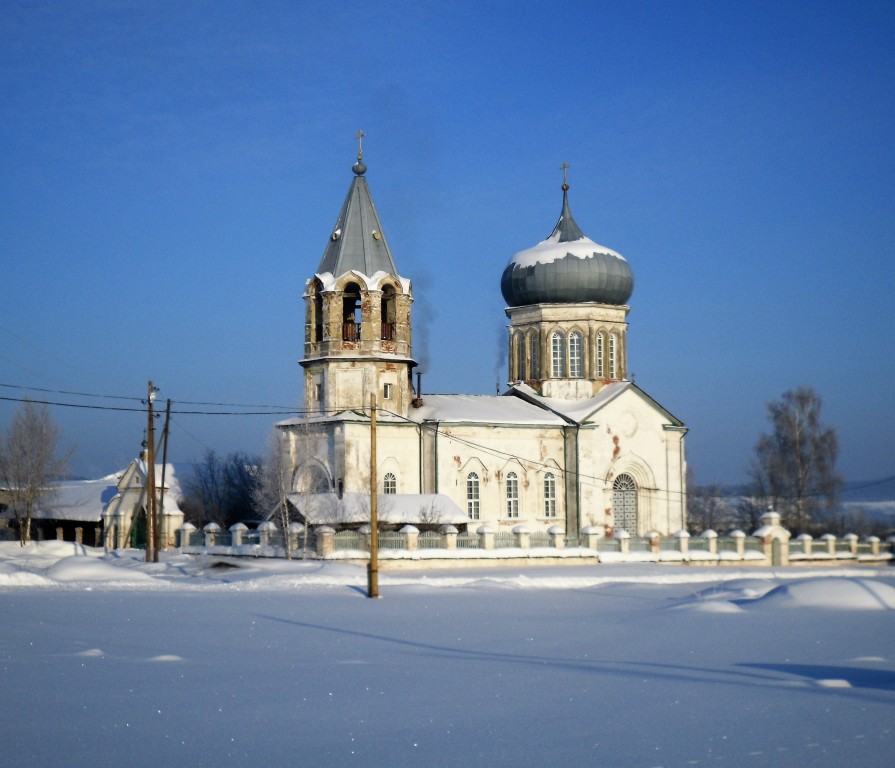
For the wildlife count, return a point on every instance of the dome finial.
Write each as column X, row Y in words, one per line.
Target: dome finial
column 565, row 181
column 359, row 166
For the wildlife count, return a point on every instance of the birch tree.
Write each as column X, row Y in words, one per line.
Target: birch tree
column 795, row 465
column 30, row 463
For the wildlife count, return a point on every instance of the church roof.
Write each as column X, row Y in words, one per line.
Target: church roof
column 567, row 268
column 484, row 409
column 357, row 241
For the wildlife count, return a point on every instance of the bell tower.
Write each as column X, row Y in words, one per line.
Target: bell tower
column 357, row 315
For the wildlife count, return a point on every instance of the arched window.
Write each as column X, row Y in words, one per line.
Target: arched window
column 388, row 313
column 601, row 366
column 316, row 320
column 389, row 484
column 624, row 504
column 534, row 366
column 611, row 355
column 519, row 373
column 575, row 356
column 351, row 315
column 472, row 496
column 549, row 495
column 512, row 495
column 558, row 347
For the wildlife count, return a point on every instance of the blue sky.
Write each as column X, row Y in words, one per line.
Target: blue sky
column 170, row 173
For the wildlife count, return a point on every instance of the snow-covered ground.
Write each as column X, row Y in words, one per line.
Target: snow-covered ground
column 109, row 661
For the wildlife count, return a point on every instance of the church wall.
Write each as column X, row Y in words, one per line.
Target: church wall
column 528, row 451
column 633, row 437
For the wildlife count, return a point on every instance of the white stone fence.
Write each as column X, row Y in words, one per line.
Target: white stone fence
column 769, row 545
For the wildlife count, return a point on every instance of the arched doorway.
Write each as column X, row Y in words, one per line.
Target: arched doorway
column 138, row 531
column 624, row 504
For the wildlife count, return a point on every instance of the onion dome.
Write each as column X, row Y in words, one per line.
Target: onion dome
column 567, row 268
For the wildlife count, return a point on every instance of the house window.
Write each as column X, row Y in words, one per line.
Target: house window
column 386, row 391
column 624, row 504
column 601, row 366
column 472, row 496
column 389, row 484
column 575, row 362
column 512, row 495
column 549, row 495
column 558, row 345
column 611, row 355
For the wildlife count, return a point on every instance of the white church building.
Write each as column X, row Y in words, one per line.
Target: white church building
column 571, row 442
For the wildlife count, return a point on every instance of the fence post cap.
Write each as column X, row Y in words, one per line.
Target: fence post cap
column 521, row 529
column 212, row 526
column 484, row 529
column 622, row 534
column 409, row 529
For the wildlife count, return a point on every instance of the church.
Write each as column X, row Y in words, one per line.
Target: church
column 571, row 442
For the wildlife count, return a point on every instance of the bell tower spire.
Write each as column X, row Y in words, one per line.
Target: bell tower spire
column 357, row 313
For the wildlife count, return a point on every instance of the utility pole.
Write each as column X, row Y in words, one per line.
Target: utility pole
column 150, row 480
column 373, row 566
column 160, row 516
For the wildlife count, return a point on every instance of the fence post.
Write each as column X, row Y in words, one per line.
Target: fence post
column 739, row 539
column 807, row 543
column 653, row 537
column 624, row 541
column 325, row 540
column 683, row 543
column 411, row 537
column 367, row 530
column 873, row 541
column 523, row 537
column 264, row 531
column 852, row 539
column 592, row 536
column 711, row 538
column 486, row 533
column 557, row 536
column 184, row 532
column 449, row 532
column 295, row 530
column 237, row 531
column 830, row 541
column 211, row 534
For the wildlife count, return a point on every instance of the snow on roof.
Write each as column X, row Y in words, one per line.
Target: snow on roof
column 486, row 409
column 85, row 500
column 578, row 410
column 328, row 509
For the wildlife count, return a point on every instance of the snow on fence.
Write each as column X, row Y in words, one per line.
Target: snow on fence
column 769, row 545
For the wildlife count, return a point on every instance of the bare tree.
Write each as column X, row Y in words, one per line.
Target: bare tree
column 708, row 508
column 221, row 489
column 30, row 464
column 269, row 493
column 795, row 465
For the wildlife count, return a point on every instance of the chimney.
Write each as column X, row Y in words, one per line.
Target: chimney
column 417, row 402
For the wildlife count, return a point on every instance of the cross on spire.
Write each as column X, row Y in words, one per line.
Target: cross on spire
column 565, row 182
column 360, row 145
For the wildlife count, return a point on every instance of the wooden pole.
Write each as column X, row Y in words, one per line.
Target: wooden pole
column 373, row 567
column 150, row 479
column 160, row 514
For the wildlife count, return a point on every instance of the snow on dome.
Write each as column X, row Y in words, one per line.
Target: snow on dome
column 567, row 268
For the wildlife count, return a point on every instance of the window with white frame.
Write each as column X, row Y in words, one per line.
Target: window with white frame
column 549, row 495
column 387, row 390
column 512, row 487
column 611, row 355
column 389, row 484
column 576, row 365
column 601, row 366
column 472, row 496
column 558, row 346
